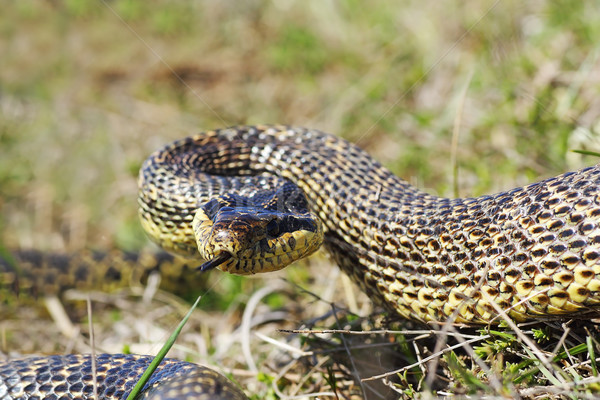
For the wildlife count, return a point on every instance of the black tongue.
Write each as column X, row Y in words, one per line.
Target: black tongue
column 215, row 262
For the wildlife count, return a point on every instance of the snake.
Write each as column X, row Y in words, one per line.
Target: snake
column 532, row 252
column 253, row 199
column 71, row 377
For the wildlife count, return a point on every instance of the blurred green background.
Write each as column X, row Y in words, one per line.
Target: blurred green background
column 89, row 88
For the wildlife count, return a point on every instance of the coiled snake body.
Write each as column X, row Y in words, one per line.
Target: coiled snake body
column 531, row 252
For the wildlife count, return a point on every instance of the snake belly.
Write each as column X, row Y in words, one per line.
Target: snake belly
column 532, row 252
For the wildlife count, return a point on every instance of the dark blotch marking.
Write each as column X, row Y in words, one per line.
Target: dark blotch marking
column 555, row 225
column 550, row 264
column 416, row 257
column 549, row 237
column 527, row 285
column 591, row 255
column 452, row 269
column 462, row 281
column 571, row 260
column 536, row 230
column 494, row 276
column 512, row 273
column 566, row 234
column 520, row 257
column 576, row 218
column 449, row 283
column 292, row 242
column 468, row 266
column 504, row 261
column 577, row 244
column 587, row 273
column 547, row 281
column 558, row 248
column 530, row 269
column 562, row 210
column 539, row 253
column 560, row 295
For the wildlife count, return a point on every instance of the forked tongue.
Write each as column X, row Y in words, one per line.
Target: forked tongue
column 215, row 262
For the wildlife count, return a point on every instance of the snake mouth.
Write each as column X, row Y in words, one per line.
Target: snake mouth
column 265, row 255
column 215, row 262
column 248, row 240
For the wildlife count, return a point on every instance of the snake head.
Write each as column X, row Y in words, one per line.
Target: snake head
column 246, row 240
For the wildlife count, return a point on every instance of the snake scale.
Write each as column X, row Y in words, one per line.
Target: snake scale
column 532, row 252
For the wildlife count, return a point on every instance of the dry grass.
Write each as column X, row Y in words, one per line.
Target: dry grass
column 89, row 89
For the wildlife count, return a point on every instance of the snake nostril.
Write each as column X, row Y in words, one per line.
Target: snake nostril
column 273, row 228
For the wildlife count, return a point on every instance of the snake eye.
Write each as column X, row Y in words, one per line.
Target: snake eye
column 273, row 228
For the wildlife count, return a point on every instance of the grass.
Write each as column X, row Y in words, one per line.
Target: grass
column 137, row 389
column 89, row 89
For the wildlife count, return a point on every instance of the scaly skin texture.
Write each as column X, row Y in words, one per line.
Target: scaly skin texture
column 27, row 275
column 70, row 377
column 533, row 252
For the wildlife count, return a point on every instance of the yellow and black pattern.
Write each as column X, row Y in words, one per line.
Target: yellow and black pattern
column 533, row 251
column 256, row 238
column 70, row 377
column 201, row 199
column 27, row 275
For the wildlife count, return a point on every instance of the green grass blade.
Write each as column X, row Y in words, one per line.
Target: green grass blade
column 161, row 354
column 548, row 374
column 590, row 347
column 459, row 370
column 581, row 348
column 587, row 153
